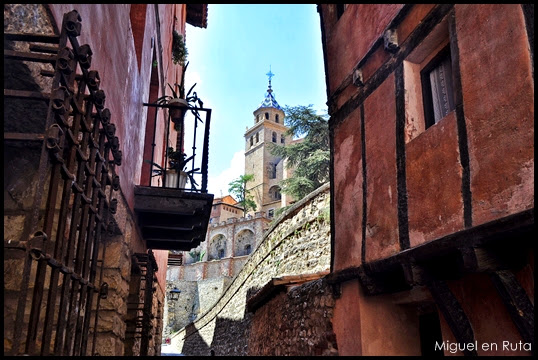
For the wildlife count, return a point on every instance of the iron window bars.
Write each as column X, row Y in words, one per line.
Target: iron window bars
column 78, row 159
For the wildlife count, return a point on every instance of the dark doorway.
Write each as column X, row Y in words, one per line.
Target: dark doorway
column 430, row 334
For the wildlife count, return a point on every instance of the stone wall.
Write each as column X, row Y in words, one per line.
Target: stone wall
column 298, row 242
column 196, row 297
column 295, row 323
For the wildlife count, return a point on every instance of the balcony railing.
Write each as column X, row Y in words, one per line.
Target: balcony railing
column 173, row 215
column 196, row 166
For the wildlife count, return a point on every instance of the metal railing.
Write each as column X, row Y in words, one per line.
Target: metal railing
column 196, row 168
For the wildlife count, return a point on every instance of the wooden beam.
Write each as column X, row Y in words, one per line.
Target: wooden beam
column 517, row 303
column 498, row 245
column 453, row 313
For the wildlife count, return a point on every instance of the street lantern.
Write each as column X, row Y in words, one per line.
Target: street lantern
column 174, row 294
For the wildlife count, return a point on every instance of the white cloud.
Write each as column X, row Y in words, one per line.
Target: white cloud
column 218, row 184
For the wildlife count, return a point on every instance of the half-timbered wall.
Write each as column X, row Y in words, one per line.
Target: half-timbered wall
column 434, row 211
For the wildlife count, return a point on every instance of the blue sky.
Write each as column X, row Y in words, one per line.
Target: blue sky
column 229, row 61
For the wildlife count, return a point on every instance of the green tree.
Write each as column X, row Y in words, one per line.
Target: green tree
column 310, row 157
column 238, row 188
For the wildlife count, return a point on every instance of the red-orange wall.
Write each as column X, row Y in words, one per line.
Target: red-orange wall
column 498, row 104
column 499, row 108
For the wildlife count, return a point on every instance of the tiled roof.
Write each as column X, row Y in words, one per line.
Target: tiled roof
column 269, row 101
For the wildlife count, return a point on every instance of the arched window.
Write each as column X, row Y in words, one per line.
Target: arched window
column 274, row 137
column 257, row 136
column 276, row 117
column 217, row 247
column 282, row 139
column 267, row 115
column 274, row 193
column 244, row 242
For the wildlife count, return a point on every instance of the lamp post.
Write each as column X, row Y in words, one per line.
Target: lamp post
column 174, row 294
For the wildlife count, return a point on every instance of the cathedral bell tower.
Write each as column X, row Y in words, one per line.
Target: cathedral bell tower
column 267, row 169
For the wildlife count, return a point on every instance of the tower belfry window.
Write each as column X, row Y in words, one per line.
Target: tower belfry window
column 274, row 137
column 267, row 115
column 276, row 118
column 257, row 137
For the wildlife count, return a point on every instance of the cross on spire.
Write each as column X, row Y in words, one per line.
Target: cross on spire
column 270, row 75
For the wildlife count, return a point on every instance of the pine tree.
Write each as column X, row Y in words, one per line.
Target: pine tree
column 310, row 157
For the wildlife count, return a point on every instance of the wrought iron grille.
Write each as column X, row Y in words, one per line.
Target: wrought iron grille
column 61, row 284
column 140, row 323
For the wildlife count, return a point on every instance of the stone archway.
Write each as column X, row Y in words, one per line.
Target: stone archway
column 245, row 242
column 217, row 247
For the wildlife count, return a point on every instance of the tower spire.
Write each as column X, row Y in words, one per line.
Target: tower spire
column 270, row 75
column 269, row 100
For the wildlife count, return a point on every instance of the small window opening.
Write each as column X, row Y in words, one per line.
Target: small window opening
column 267, row 116
column 274, row 137
column 276, row 118
column 437, row 88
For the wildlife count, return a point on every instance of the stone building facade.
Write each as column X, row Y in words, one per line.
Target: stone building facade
column 202, row 281
column 80, row 278
column 432, row 159
column 224, row 208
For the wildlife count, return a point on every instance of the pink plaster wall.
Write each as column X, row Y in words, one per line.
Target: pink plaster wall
column 350, row 38
column 347, row 320
column 382, row 193
column 348, row 197
column 435, row 205
column 374, row 325
column 498, row 93
column 387, row 328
